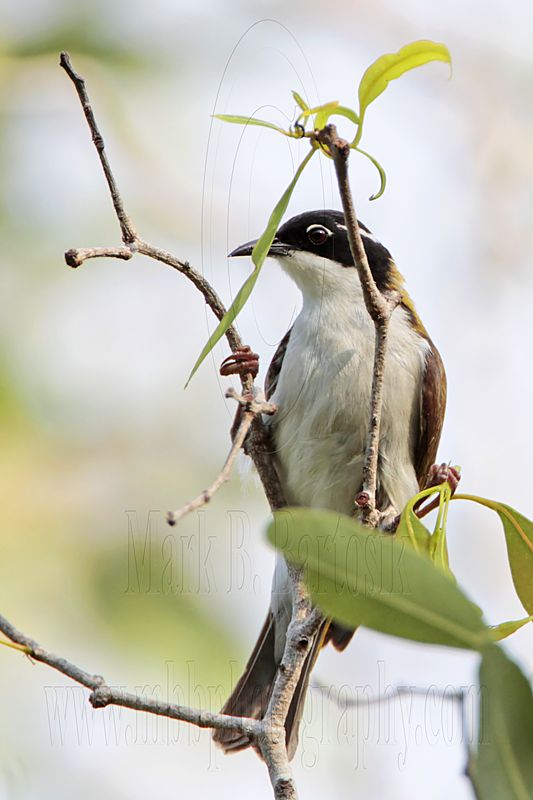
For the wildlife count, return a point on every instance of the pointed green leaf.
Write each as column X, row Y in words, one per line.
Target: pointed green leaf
column 505, row 629
column 324, row 113
column 349, row 113
column 392, row 66
column 360, row 576
column 259, row 254
column 227, row 320
column 503, row 766
column 383, row 177
column 318, row 109
column 251, row 121
column 519, row 540
column 299, row 100
column 438, row 551
column 333, row 110
column 411, row 531
column 22, row 648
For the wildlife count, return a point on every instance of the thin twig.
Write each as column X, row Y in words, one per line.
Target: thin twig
column 259, row 445
column 379, row 306
column 103, row 695
column 129, row 234
column 75, row 258
column 396, row 694
column 251, row 409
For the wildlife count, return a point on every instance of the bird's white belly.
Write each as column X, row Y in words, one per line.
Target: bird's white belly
column 323, row 394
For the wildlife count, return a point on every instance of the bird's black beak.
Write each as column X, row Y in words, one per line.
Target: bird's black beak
column 277, row 248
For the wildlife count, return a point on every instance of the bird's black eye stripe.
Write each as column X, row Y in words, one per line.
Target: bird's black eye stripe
column 318, row 234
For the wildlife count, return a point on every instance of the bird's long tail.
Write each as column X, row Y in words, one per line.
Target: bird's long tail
column 251, row 695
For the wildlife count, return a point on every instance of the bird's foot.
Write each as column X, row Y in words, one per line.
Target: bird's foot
column 389, row 519
column 242, row 362
column 440, row 473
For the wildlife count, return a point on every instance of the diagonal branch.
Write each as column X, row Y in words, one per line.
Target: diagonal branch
column 259, row 444
column 103, row 695
column 129, row 234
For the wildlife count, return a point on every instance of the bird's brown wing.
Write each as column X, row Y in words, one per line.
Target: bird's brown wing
column 432, row 407
column 271, row 380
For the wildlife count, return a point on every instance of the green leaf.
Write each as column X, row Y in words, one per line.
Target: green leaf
column 392, row 66
column 259, row 254
column 505, row 629
column 438, row 550
column 382, row 175
column 22, row 648
column 349, row 113
column 410, row 530
column 227, row 320
column 502, row 768
column 333, row 110
column 519, row 540
column 299, row 100
column 360, row 576
column 318, row 109
column 324, row 113
column 251, row 121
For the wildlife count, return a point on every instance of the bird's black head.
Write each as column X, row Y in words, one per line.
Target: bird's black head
column 323, row 233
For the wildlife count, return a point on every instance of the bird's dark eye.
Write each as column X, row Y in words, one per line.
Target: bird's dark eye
column 317, row 234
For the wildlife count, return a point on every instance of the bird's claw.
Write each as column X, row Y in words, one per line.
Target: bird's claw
column 440, row 473
column 242, row 362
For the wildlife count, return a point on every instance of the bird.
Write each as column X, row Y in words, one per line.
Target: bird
column 320, row 379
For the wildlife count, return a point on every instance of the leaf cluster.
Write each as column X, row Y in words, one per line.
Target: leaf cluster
column 402, row 585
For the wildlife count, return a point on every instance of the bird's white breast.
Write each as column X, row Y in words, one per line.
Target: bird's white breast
column 323, row 394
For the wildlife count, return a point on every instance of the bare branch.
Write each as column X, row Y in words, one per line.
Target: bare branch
column 305, row 625
column 103, row 695
column 38, row 653
column 74, row 258
column 268, row 733
column 129, row 234
column 251, row 409
column 380, row 307
column 130, row 237
column 259, row 444
column 397, row 693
